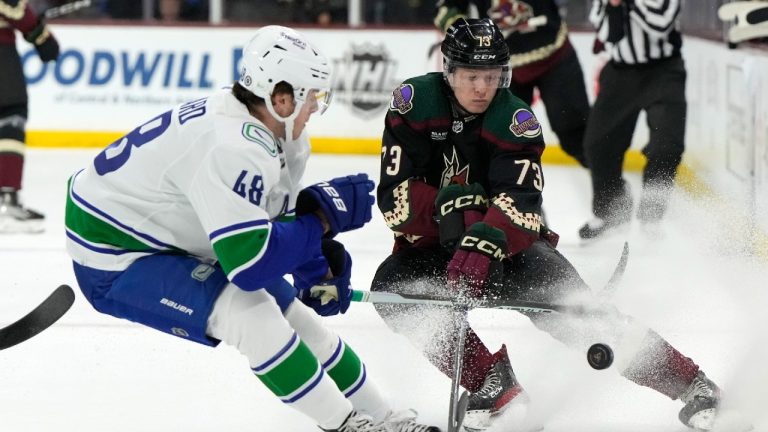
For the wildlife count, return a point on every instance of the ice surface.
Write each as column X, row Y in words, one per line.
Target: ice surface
column 91, row 372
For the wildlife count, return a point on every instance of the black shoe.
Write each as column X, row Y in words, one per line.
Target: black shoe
column 701, row 399
column 15, row 218
column 500, row 388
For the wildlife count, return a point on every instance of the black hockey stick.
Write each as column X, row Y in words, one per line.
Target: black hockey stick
column 508, row 304
column 458, row 404
column 41, row 317
column 469, row 303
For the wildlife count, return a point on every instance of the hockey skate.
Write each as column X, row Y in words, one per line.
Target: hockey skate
column 15, row 218
column 701, row 402
column 405, row 421
column 499, row 392
column 598, row 227
column 359, row 423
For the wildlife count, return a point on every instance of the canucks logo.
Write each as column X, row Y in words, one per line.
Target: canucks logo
column 365, row 76
column 524, row 124
column 402, row 99
column 261, row 136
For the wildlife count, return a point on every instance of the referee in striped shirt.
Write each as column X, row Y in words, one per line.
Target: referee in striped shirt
column 645, row 72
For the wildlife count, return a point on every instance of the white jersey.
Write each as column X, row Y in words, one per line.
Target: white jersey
column 205, row 179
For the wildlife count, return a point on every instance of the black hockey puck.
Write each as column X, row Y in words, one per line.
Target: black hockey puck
column 600, row 356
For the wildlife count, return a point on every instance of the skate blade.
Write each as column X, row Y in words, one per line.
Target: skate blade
column 703, row 420
column 512, row 418
column 477, row 421
column 11, row 226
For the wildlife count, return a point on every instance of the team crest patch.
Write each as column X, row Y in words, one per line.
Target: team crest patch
column 402, row 99
column 524, row 124
column 261, row 136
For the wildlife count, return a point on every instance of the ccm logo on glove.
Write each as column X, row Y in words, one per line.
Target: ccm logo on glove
column 462, row 203
column 484, row 246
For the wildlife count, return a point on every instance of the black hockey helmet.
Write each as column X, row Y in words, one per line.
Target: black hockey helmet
column 476, row 43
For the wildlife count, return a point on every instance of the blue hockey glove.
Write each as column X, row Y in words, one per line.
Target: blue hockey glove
column 345, row 201
column 326, row 295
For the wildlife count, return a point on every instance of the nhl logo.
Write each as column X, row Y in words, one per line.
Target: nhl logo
column 458, row 126
column 365, row 77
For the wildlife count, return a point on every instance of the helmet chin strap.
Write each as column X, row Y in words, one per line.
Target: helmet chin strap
column 287, row 121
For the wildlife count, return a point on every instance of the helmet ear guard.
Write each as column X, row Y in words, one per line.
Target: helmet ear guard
column 476, row 44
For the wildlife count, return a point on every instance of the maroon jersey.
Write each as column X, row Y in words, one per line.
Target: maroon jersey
column 428, row 144
column 15, row 15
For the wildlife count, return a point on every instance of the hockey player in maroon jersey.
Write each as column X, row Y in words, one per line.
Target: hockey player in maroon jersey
column 460, row 186
column 541, row 56
column 17, row 15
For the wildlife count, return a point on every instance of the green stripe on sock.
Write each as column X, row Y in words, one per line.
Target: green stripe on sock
column 292, row 373
column 347, row 371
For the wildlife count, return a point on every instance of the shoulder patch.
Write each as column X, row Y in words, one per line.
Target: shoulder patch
column 525, row 124
column 260, row 135
column 402, row 99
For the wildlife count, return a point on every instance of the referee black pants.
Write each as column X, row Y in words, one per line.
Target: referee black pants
column 659, row 90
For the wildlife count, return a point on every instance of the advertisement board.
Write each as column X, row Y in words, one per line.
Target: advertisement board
column 108, row 79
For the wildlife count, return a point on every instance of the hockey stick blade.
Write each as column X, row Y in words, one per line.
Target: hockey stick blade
column 459, row 410
column 39, row 319
column 435, row 300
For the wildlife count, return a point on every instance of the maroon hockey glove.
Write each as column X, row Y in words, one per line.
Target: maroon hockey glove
column 46, row 45
column 457, row 207
column 477, row 263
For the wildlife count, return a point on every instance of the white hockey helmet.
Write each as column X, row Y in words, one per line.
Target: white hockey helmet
column 277, row 53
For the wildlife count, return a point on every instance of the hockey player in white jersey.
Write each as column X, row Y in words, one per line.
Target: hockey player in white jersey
column 189, row 223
